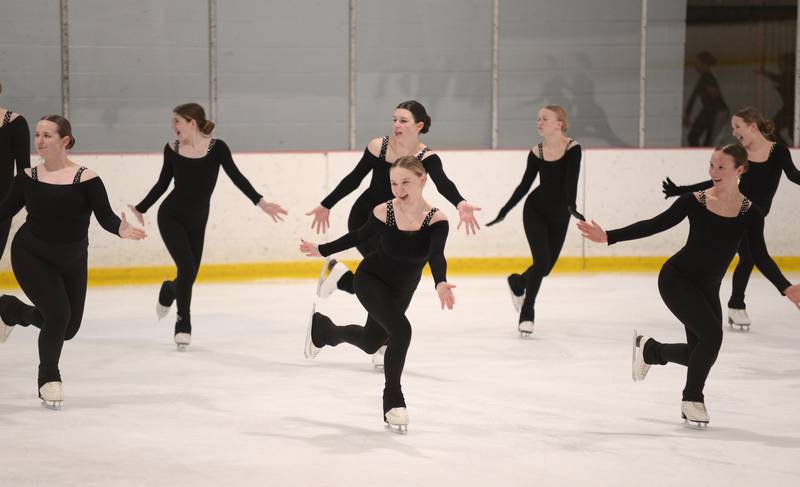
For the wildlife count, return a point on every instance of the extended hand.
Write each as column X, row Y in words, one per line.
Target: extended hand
column 793, row 293
column 445, row 291
column 128, row 231
column 272, row 209
column 321, row 215
column 137, row 214
column 593, row 231
column 310, row 249
column 670, row 189
column 466, row 213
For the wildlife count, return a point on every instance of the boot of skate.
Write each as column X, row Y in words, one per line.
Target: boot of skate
column 332, row 271
column 695, row 414
column 738, row 317
column 639, row 367
column 52, row 395
column 397, row 420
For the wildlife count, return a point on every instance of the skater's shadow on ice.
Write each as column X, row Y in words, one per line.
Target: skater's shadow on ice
column 364, row 368
column 730, row 434
column 345, row 439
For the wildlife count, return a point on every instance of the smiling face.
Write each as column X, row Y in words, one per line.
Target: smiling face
column 406, row 184
column 49, row 142
column 744, row 132
column 404, row 125
column 183, row 128
column 547, row 123
column 723, row 170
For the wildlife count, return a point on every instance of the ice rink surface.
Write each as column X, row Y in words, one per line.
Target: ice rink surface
column 243, row 407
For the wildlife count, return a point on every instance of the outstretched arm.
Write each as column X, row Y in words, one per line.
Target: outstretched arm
column 98, row 201
column 788, row 165
column 234, row 174
column 531, row 171
column 671, row 189
column 346, row 186
column 758, row 248
column 372, row 227
column 438, row 263
column 446, row 187
column 160, row 187
column 664, row 221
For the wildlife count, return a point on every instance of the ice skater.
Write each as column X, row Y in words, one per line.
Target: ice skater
column 760, row 183
column 689, row 281
column 49, row 252
column 410, row 120
column 15, row 150
column 557, row 161
column 193, row 161
column 410, row 233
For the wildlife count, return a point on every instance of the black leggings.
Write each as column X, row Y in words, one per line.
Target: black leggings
column 5, row 228
column 183, row 235
column 53, row 276
column 386, row 325
column 741, row 275
column 697, row 306
column 359, row 215
column 546, row 230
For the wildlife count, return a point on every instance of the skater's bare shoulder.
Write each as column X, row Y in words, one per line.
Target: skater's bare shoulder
column 374, row 146
column 88, row 174
column 380, row 212
column 438, row 216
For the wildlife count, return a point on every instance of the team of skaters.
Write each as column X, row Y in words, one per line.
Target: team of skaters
column 395, row 229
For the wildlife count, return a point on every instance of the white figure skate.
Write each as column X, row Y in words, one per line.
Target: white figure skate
column 525, row 329
column 738, row 317
column 397, row 420
column 164, row 293
column 515, row 300
column 638, row 366
column 310, row 350
column 694, row 414
column 332, row 271
column 182, row 340
column 52, row 395
column 377, row 357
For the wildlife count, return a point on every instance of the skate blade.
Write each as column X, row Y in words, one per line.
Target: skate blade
column 5, row 331
column 525, row 334
column 694, row 425
column 377, row 366
column 309, row 349
column 399, row 429
column 322, row 275
column 162, row 311
column 52, row 405
column 182, row 347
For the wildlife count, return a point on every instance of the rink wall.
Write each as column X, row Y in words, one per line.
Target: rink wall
column 616, row 187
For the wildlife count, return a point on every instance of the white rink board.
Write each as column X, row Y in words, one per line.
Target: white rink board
column 617, row 187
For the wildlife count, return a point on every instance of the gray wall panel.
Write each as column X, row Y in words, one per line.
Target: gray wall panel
column 30, row 58
column 283, row 74
column 438, row 53
column 131, row 62
column 585, row 57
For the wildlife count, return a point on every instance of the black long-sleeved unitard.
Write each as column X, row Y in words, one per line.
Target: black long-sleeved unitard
column 385, row 282
column 759, row 184
column 48, row 256
column 15, row 150
column 689, row 281
column 379, row 191
column 183, row 215
column 545, row 218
